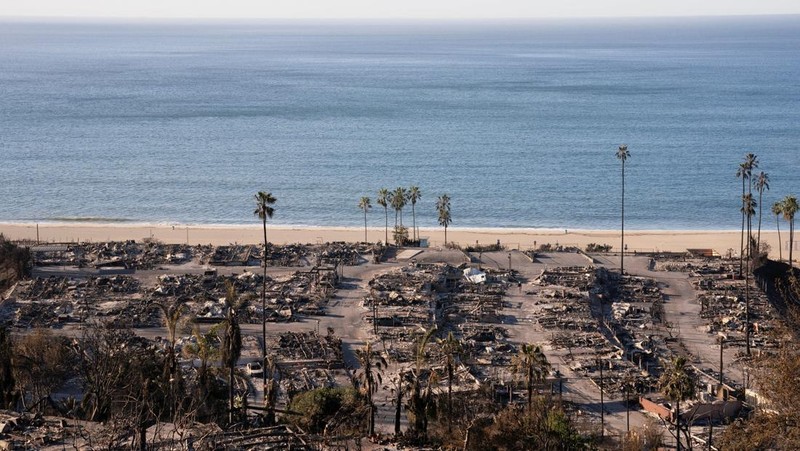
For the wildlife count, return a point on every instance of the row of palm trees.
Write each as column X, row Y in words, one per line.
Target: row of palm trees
column 786, row 208
column 401, row 197
column 398, row 200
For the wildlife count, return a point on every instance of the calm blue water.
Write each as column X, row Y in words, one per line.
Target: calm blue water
column 518, row 122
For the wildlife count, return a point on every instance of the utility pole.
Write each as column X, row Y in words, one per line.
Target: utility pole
column 721, row 344
column 628, row 407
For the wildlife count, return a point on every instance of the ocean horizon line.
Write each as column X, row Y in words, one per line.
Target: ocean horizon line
column 379, row 20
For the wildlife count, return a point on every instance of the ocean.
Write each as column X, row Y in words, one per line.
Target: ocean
column 517, row 121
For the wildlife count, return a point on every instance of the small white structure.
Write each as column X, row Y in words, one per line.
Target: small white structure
column 474, row 275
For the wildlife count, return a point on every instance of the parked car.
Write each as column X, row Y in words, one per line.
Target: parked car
column 254, row 369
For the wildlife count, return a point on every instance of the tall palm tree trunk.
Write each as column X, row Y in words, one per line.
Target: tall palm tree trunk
column 365, row 225
column 749, row 242
column 264, row 309
column 414, row 222
column 791, row 241
column 622, row 247
column 747, row 312
column 749, row 228
column 747, row 282
column 741, row 247
column 780, row 245
column 386, row 213
column 760, row 208
column 445, row 235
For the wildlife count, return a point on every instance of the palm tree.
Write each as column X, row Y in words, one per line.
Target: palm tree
column 419, row 398
column 749, row 206
column 532, row 364
column 365, row 205
column 742, row 173
column 173, row 314
column 622, row 155
column 790, row 207
column 370, row 378
column 399, row 387
column 414, row 194
column 264, row 211
column 398, row 202
column 745, row 172
column 451, row 350
column 383, row 201
column 273, row 372
column 443, row 208
column 677, row 384
column 762, row 183
column 777, row 210
column 205, row 349
column 749, row 210
column 231, row 342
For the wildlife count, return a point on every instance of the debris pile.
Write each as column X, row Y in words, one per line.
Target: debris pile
column 696, row 266
column 602, row 318
column 340, row 252
column 274, row 437
column 581, row 278
column 724, row 305
column 233, row 255
column 54, row 301
column 130, row 254
column 307, row 349
column 288, row 255
column 724, row 299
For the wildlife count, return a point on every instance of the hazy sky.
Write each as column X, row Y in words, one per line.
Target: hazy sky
column 456, row 9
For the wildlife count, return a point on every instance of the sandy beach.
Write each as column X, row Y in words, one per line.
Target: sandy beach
column 636, row 240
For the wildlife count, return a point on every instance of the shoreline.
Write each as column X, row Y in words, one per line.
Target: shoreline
column 514, row 238
column 99, row 224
